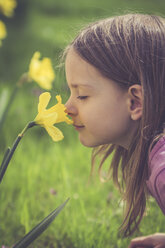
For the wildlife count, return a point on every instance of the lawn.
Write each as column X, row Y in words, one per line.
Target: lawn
column 43, row 174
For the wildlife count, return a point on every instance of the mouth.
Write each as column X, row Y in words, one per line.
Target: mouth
column 78, row 127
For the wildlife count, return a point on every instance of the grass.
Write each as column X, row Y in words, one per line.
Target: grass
column 52, row 168
column 43, row 174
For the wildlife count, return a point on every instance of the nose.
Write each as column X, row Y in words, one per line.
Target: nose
column 71, row 108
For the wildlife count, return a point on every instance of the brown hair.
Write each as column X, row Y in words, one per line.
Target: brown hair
column 130, row 49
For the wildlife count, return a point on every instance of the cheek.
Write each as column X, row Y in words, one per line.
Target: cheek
column 95, row 121
column 102, row 114
column 105, row 121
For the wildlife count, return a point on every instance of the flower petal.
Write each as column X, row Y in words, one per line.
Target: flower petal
column 44, row 99
column 59, row 100
column 61, row 110
column 7, row 7
column 3, row 32
column 41, row 71
column 68, row 120
column 54, row 132
column 50, row 119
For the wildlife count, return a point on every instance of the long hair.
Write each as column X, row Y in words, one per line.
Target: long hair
column 130, row 49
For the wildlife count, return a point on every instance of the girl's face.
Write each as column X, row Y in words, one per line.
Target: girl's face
column 97, row 105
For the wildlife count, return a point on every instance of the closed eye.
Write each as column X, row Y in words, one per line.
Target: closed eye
column 82, row 97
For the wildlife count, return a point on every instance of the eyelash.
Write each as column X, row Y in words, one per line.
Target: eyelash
column 82, row 97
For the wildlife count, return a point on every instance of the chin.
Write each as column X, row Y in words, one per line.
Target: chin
column 89, row 143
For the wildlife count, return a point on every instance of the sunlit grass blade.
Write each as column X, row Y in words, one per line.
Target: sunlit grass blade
column 5, row 112
column 40, row 228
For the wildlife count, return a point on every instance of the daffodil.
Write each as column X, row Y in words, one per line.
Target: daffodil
column 45, row 118
column 7, row 7
column 48, row 117
column 41, row 71
column 3, row 32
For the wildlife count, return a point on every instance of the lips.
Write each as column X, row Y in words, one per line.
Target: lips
column 78, row 127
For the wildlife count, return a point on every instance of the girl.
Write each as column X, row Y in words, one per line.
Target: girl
column 115, row 69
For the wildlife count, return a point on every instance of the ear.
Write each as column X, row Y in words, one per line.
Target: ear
column 135, row 103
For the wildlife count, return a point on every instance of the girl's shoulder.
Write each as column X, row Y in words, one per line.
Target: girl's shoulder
column 156, row 166
column 158, row 147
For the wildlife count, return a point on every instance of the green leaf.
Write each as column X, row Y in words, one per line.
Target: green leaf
column 4, row 96
column 40, row 228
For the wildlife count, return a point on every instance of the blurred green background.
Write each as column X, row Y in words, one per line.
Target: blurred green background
column 93, row 214
column 49, row 25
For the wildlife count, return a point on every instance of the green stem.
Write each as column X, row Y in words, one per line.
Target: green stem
column 29, row 125
column 5, row 156
column 10, row 153
column 3, row 161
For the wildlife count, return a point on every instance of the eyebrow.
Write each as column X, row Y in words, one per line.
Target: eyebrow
column 80, row 85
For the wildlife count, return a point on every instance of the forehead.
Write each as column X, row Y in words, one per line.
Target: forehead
column 78, row 71
column 74, row 61
column 81, row 74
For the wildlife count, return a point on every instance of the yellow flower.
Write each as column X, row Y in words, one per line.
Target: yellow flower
column 48, row 117
column 7, row 7
column 41, row 71
column 3, row 32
